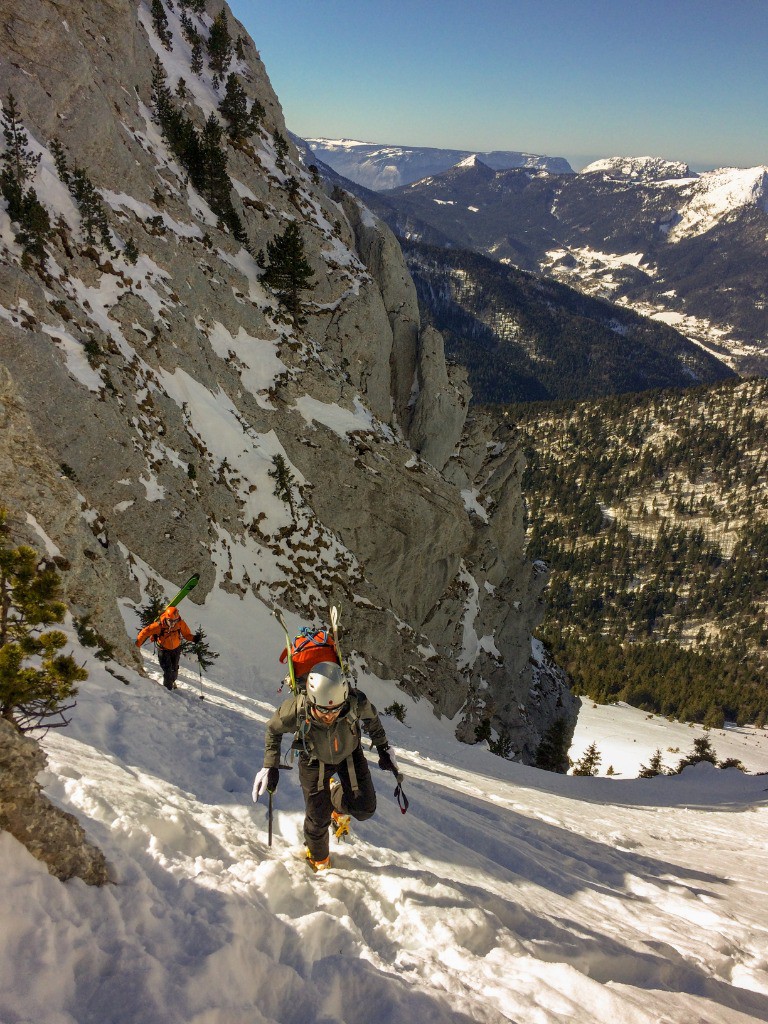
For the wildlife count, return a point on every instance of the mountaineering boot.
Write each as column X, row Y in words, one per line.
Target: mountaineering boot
column 339, row 821
column 340, row 824
column 318, row 865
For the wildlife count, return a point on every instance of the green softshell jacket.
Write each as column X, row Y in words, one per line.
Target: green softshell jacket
column 330, row 744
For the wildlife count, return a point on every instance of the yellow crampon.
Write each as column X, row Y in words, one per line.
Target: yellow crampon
column 340, row 825
column 318, row 865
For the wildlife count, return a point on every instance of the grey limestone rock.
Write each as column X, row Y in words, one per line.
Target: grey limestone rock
column 102, row 363
column 52, row 835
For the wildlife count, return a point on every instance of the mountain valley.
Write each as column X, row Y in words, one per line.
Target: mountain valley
column 687, row 250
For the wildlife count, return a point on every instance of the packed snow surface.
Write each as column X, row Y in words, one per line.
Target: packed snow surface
column 505, row 893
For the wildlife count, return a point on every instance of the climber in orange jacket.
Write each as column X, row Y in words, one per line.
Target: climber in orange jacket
column 167, row 632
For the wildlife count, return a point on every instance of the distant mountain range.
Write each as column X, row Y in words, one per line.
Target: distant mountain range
column 689, row 250
column 378, row 167
column 683, row 249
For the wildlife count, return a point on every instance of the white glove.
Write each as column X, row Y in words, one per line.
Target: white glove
column 266, row 780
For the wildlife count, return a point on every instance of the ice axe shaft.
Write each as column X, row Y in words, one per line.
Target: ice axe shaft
column 270, row 794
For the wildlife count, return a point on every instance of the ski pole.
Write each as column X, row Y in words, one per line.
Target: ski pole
column 200, row 673
column 399, row 794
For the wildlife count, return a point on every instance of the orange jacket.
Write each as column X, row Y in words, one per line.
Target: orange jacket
column 167, row 631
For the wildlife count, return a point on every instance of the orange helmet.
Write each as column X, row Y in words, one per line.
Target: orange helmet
column 171, row 614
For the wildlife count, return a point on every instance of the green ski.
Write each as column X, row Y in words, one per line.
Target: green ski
column 279, row 616
column 189, row 585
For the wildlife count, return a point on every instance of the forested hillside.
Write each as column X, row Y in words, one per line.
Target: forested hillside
column 652, row 512
column 524, row 338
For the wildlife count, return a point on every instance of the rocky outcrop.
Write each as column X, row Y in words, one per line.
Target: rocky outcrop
column 442, row 396
column 153, row 396
column 52, row 516
column 50, row 834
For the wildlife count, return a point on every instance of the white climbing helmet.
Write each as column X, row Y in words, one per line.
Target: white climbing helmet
column 327, row 689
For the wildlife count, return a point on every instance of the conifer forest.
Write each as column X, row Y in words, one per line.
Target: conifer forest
column 652, row 514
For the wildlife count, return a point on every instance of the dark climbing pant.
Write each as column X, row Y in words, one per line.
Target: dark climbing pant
column 318, row 807
column 169, row 663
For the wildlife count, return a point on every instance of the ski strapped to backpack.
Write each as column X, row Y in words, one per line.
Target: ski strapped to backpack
column 189, row 585
column 291, row 672
column 309, row 647
column 335, row 628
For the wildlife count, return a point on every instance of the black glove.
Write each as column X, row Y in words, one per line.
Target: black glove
column 265, row 781
column 198, row 636
column 387, row 760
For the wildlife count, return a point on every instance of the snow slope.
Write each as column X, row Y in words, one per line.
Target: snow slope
column 505, row 894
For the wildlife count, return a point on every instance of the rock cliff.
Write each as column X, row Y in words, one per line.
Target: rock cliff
column 151, row 378
column 50, row 834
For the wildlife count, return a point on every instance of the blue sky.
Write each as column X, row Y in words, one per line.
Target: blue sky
column 683, row 79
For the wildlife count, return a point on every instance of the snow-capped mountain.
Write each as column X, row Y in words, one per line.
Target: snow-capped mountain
column 380, row 167
column 639, row 168
column 689, row 250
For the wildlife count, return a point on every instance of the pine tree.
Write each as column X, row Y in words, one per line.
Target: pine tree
column 155, row 606
column 702, row 751
column 257, row 115
column 589, row 762
column 160, row 21
column 216, row 183
column 200, row 649
column 219, row 45
column 285, row 481
column 288, row 273
column 162, row 99
column 196, row 62
column 714, row 718
column 131, row 253
column 18, row 168
column 30, row 588
column 34, row 227
column 92, row 212
column 19, row 164
column 234, row 109
column 552, row 752
column 281, row 149
column 655, row 767
column 60, row 160
column 188, row 29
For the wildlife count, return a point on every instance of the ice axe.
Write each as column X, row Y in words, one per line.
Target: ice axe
column 270, row 793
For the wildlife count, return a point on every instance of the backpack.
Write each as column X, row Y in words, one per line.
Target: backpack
column 309, row 647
